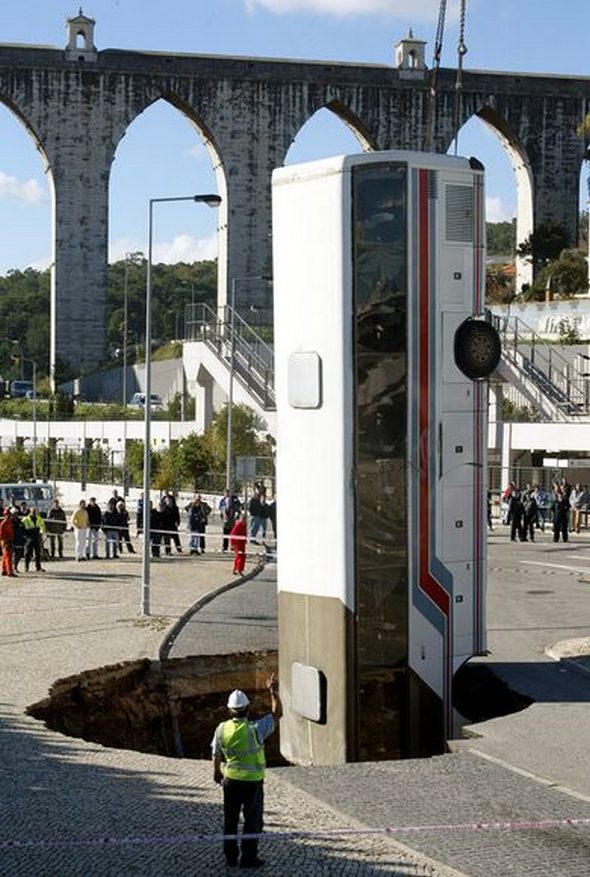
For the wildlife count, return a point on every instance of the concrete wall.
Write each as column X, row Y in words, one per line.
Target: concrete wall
column 107, row 386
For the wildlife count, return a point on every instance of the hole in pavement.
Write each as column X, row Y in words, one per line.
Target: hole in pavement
column 169, row 708
column 478, row 694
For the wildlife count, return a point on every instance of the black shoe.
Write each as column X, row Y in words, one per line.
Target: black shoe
column 252, row 863
column 231, row 862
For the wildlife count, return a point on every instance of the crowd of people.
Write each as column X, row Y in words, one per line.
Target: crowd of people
column 88, row 521
column 25, row 535
column 533, row 508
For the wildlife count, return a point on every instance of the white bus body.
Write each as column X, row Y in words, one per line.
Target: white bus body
column 381, row 457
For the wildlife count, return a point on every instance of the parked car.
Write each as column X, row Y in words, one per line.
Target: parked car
column 19, row 389
column 138, row 401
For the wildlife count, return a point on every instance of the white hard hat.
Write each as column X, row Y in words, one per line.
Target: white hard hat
column 237, row 700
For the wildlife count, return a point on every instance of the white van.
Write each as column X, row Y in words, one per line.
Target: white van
column 34, row 493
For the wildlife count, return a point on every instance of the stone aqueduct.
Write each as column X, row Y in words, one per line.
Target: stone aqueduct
column 78, row 102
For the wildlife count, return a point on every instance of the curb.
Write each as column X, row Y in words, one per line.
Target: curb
column 176, row 628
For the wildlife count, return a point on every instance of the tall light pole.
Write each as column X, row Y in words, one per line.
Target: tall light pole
column 230, row 394
column 16, row 357
column 125, row 327
column 211, row 201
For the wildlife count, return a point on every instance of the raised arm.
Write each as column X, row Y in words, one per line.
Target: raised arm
column 276, row 707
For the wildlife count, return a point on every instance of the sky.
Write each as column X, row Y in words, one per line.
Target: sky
column 161, row 153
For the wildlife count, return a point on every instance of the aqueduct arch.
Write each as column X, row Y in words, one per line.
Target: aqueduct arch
column 524, row 186
column 207, row 140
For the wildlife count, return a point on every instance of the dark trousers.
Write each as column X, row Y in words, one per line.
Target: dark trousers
column 33, row 547
column 248, row 796
column 516, row 528
column 529, row 528
column 124, row 537
column 155, row 543
column 53, row 538
column 168, row 536
column 227, row 528
column 560, row 526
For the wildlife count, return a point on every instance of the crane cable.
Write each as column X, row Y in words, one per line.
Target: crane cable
column 438, row 45
column 461, row 52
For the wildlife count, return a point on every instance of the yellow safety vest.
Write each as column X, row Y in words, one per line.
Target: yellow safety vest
column 37, row 524
column 243, row 751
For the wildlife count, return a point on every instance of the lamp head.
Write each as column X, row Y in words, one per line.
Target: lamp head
column 209, row 200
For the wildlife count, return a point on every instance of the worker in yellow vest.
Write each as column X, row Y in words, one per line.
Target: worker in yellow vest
column 238, row 764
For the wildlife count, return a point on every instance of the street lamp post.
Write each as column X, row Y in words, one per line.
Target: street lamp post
column 211, row 201
column 125, row 327
column 230, row 394
column 16, row 357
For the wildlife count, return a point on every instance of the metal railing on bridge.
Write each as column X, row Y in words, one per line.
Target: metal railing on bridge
column 556, row 377
column 229, row 336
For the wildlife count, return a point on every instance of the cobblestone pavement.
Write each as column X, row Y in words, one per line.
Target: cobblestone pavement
column 75, row 808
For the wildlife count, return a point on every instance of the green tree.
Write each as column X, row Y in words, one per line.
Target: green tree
column 543, row 245
column 568, row 275
column 501, row 238
column 15, row 465
column 194, row 460
column 246, row 438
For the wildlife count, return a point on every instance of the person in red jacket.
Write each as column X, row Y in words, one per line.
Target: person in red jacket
column 237, row 542
column 7, row 540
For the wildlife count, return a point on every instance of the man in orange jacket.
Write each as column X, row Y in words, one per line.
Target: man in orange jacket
column 7, row 540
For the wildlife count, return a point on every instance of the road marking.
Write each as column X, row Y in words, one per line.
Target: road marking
column 555, row 565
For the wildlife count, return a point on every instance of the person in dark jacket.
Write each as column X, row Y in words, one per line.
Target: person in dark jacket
column 198, row 515
column 168, row 517
column 19, row 538
column 516, row 516
column 258, row 514
column 530, row 513
column 155, row 530
column 124, row 528
column 139, row 515
column 56, row 524
column 173, row 517
column 561, row 510
column 94, row 527
column 111, row 521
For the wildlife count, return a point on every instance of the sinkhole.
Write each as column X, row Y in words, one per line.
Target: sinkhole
column 165, row 708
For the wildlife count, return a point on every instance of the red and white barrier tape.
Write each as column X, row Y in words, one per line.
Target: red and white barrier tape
column 195, row 837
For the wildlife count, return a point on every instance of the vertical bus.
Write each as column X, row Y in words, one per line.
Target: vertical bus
column 381, row 348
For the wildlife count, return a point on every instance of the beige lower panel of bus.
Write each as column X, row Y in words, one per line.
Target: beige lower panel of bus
column 317, row 632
